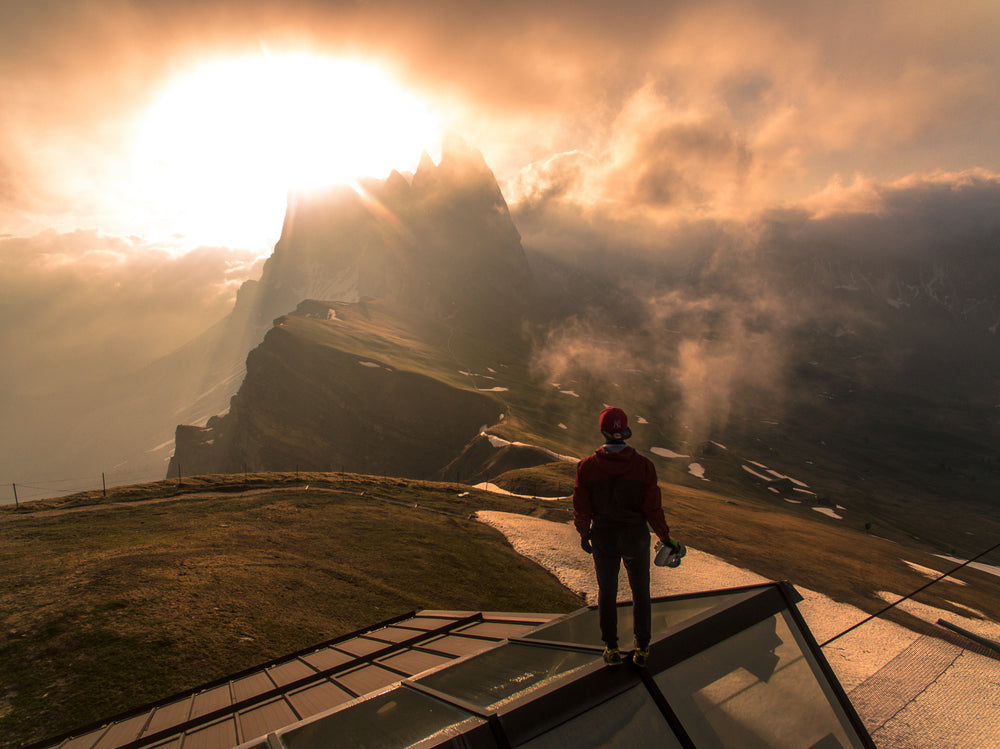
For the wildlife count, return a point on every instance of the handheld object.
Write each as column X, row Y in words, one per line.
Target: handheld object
column 669, row 555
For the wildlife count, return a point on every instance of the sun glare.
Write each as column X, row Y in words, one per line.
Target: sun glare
column 229, row 139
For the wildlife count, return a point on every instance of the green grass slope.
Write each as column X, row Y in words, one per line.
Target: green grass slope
column 110, row 603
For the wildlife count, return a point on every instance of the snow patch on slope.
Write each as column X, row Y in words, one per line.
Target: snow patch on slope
column 665, row 453
column 500, row 442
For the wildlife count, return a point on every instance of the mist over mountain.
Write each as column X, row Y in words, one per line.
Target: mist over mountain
column 853, row 343
column 441, row 243
column 857, row 345
column 87, row 319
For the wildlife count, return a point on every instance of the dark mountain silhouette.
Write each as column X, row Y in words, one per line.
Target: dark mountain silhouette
column 313, row 402
column 441, row 244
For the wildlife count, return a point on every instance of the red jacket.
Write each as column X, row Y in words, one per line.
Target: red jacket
column 618, row 488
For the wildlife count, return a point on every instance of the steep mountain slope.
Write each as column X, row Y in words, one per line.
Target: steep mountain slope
column 344, row 387
column 441, row 244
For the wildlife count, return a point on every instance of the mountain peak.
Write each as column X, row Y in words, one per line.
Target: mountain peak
column 461, row 164
column 426, row 170
column 396, row 185
column 454, row 150
column 441, row 243
column 460, row 161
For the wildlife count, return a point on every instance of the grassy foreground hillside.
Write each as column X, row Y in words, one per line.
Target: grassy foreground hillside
column 110, row 603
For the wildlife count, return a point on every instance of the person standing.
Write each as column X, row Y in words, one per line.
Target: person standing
column 615, row 496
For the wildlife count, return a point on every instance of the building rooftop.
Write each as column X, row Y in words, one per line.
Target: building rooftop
column 733, row 667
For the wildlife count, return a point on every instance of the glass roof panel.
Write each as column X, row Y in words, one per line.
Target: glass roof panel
column 262, row 719
column 457, row 645
column 211, row 700
column 583, row 627
column 168, row 715
column 367, row 679
column 498, row 630
column 318, row 697
column 412, row 662
column 503, row 674
column 251, row 686
column 289, row 671
column 759, row 688
column 327, row 658
column 361, row 646
column 122, row 732
column 426, row 622
column 397, row 718
column 393, row 634
column 628, row 721
column 215, row 736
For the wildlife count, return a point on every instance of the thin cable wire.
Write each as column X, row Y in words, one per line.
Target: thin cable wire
column 922, row 587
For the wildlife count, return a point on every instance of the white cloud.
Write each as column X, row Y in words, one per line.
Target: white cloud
column 85, row 304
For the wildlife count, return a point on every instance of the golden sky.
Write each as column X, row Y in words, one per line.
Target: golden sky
column 714, row 107
column 612, row 121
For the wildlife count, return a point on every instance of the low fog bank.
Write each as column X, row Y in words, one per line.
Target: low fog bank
column 84, row 319
column 890, row 289
column 90, row 306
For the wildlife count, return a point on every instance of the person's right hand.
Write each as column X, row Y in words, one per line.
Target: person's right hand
column 585, row 544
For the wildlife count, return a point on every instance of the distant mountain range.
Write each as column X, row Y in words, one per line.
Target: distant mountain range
column 403, row 317
column 397, row 319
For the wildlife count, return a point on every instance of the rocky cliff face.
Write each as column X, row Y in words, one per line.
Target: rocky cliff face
column 308, row 403
column 442, row 243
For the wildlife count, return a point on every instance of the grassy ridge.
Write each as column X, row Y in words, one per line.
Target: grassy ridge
column 109, row 606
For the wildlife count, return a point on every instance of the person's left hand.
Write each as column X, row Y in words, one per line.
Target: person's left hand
column 585, row 544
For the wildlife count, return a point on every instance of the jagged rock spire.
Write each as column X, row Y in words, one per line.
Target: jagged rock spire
column 426, row 169
column 441, row 243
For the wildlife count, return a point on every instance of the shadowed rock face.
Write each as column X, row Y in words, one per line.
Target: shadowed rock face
column 443, row 244
column 311, row 407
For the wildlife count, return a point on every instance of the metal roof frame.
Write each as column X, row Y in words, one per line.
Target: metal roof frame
column 450, row 639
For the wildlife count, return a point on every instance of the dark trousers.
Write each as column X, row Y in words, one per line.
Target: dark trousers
column 613, row 545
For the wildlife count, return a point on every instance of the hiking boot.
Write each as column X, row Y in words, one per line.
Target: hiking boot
column 640, row 656
column 612, row 656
